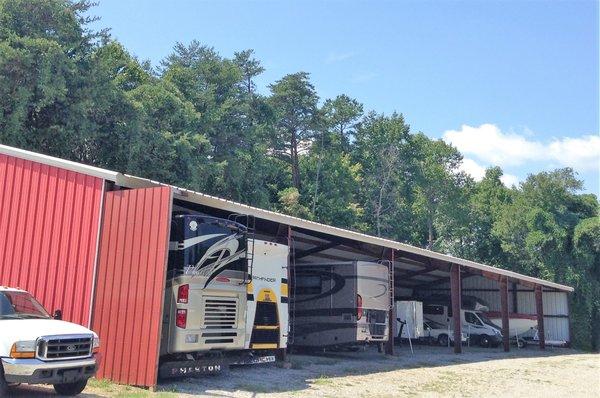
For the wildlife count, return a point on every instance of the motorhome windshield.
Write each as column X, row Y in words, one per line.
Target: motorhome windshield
column 487, row 320
column 20, row 305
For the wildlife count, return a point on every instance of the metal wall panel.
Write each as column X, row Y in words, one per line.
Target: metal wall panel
column 130, row 283
column 49, row 223
column 556, row 310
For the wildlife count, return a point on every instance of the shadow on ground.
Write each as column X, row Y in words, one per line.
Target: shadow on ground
column 318, row 369
column 312, row 371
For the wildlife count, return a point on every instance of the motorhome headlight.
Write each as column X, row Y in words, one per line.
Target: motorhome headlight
column 23, row 349
column 96, row 346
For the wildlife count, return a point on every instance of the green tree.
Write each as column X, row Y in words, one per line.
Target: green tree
column 440, row 199
column 294, row 100
column 382, row 147
column 339, row 119
column 47, row 84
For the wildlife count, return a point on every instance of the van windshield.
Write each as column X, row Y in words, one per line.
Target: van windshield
column 20, row 305
column 487, row 321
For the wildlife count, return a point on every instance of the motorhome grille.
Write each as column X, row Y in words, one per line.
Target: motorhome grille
column 57, row 348
column 220, row 312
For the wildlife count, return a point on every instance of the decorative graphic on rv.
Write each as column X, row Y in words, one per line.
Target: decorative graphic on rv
column 221, row 253
column 338, row 283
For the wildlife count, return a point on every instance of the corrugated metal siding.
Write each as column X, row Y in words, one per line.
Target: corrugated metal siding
column 555, row 303
column 49, row 221
column 130, row 283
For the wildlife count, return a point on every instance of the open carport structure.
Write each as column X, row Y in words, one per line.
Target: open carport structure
column 94, row 243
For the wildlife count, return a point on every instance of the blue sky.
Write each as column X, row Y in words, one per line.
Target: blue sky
column 509, row 83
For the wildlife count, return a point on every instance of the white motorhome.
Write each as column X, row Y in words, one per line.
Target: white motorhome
column 226, row 298
column 479, row 329
column 37, row 349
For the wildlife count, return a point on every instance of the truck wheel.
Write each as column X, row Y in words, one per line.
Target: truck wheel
column 3, row 385
column 443, row 340
column 484, row 341
column 70, row 388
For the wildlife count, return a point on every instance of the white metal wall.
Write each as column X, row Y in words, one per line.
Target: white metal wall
column 556, row 308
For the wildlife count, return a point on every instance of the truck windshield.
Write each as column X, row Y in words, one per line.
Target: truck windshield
column 20, row 305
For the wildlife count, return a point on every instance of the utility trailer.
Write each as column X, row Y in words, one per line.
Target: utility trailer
column 340, row 304
column 226, row 300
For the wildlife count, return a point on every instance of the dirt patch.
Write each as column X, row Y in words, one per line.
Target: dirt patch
column 430, row 372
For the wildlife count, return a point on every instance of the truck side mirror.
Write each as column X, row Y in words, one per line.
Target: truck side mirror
column 57, row 315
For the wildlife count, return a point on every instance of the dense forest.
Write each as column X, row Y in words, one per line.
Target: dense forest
column 197, row 120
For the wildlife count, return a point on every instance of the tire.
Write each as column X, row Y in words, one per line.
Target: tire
column 3, row 384
column 70, row 389
column 443, row 340
column 484, row 341
column 521, row 343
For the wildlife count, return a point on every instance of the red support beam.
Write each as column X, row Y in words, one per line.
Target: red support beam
column 455, row 296
column 504, row 310
column 389, row 346
column 539, row 306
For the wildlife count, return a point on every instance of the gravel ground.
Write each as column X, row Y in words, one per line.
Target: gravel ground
column 429, row 372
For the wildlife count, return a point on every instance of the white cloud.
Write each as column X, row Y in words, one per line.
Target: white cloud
column 339, row 57
column 489, row 144
column 472, row 168
column 581, row 153
column 477, row 171
column 509, row 180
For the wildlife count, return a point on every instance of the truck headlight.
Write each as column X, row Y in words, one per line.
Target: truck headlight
column 96, row 345
column 23, row 349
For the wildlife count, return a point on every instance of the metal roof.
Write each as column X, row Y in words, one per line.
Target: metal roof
column 130, row 181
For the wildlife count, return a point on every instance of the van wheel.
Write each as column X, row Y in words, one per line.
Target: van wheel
column 70, row 388
column 3, row 384
column 443, row 340
column 484, row 341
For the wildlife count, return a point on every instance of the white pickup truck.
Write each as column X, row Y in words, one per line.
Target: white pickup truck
column 37, row 349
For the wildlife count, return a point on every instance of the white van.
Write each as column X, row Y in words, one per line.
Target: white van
column 479, row 329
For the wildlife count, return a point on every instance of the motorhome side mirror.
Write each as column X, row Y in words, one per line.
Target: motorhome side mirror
column 57, row 315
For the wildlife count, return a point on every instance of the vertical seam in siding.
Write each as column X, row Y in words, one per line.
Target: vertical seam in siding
column 96, row 254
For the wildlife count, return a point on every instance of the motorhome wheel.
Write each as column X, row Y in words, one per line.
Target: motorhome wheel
column 484, row 341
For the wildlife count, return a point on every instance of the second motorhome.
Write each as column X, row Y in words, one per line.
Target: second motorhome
column 479, row 329
column 340, row 304
column 226, row 299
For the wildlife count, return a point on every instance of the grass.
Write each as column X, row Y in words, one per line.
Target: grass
column 322, row 380
column 124, row 391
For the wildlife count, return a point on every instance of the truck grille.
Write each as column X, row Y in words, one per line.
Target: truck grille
column 220, row 312
column 54, row 348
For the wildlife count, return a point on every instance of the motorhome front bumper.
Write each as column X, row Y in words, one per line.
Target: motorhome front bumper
column 35, row 371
